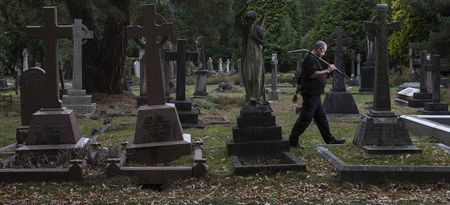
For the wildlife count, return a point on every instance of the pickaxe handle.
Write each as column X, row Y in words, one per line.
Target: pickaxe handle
column 320, row 59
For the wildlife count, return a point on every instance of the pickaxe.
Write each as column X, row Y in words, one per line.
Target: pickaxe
column 320, row 59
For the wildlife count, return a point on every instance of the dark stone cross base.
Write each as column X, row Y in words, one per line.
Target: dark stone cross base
column 340, row 103
column 257, row 134
column 158, row 137
column 419, row 99
column 432, row 108
column 188, row 116
column 51, row 131
column 367, row 78
column 383, row 136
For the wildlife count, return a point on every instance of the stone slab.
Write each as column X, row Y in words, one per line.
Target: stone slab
column 339, row 103
column 77, row 100
column 273, row 95
column 405, row 85
column 82, row 109
column 374, row 151
column 76, row 92
column 158, row 152
column 256, row 148
column 375, row 174
column 433, row 106
column 260, row 134
column 429, row 125
column 414, row 102
column 294, row 164
column 74, row 173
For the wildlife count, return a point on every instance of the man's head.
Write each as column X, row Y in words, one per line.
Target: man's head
column 320, row 48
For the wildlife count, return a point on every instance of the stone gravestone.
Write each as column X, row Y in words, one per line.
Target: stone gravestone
column 51, row 128
column 381, row 132
column 220, row 66
column 354, row 79
column 274, row 93
column 405, row 95
column 77, row 100
column 228, row 66
column 211, row 66
column 158, row 137
column 419, row 99
column 436, row 107
column 25, row 59
column 366, row 83
column 31, row 93
column 202, row 72
column 339, row 101
column 188, row 116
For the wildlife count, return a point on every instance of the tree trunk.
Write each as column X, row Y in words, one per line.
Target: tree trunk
column 103, row 59
column 114, row 45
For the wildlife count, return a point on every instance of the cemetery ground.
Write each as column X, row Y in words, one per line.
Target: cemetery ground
column 220, row 186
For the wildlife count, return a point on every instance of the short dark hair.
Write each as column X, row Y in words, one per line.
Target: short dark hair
column 320, row 44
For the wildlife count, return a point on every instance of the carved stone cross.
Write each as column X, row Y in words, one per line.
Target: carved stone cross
column 80, row 32
column 153, row 33
column 50, row 31
column 181, row 56
column 340, row 40
column 380, row 27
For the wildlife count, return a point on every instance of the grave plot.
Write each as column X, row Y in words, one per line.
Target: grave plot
column 49, row 145
column 158, row 138
column 382, row 138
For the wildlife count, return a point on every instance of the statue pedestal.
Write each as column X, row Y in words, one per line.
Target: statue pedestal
column 188, row 116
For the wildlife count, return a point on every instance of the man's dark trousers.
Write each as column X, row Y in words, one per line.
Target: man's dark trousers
column 311, row 109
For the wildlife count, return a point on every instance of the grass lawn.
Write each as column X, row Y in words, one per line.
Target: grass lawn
column 317, row 186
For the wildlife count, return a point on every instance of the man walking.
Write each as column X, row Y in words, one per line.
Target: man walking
column 311, row 86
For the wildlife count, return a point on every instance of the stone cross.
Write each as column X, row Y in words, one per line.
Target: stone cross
column 380, row 28
column 25, row 59
column 50, row 31
column 151, row 31
column 274, row 71
column 210, row 64
column 353, row 58
column 436, row 73
column 220, row 65
column 181, row 56
column 358, row 67
column 340, row 40
column 80, row 32
column 423, row 71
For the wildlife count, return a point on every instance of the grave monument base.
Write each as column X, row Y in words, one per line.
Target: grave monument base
column 432, row 108
column 273, row 95
column 78, row 101
column 188, row 116
column 383, row 133
column 419, row 99
column 339, row 103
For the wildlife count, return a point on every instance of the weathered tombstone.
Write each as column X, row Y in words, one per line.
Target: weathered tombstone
column 354, row 79
column 367, row 73
column 436, row 107
column 211, row 66
column 31, row 93
column 403, row 96
column 77, row 100
column 274, row 93
column 188, row 116
column 158, row 138
column 228, row 66
column 358, row 67
column 202, row 71
column 339, row 101
column 51, row 128
column 256, row 132
column 381, row 132
column 419, row 99
column 25, row 59
column 220, row 65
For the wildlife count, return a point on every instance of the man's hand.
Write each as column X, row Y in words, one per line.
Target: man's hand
column 331, row 68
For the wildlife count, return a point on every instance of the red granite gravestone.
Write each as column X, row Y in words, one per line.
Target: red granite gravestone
column 51, row 127
column 31, row 92
column 158, row 137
